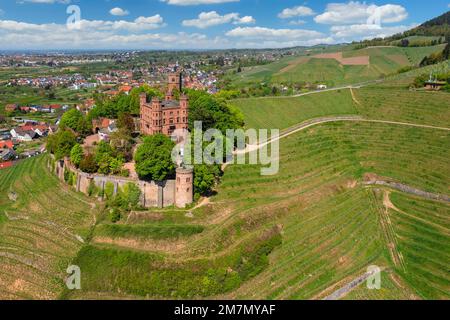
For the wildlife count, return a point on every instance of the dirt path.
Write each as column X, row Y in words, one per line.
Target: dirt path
column 354, row 97
column 304, row 125
column 389, row 205
column 409, row 190
column 310, row 123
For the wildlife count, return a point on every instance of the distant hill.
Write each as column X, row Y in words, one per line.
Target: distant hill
column 436, row 27
column 433, row 32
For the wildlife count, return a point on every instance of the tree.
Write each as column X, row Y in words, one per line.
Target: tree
column 76, row 121
column 88, row 164
column 76, row 155
column 213, row 112
column 205, row 177
column 125, row 122
column 61, row 143
column 154, row 158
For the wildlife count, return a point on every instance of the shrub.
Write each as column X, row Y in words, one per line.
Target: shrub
column 115, row 215
column 76, row 155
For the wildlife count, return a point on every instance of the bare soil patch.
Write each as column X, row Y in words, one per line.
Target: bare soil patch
column 352, row 61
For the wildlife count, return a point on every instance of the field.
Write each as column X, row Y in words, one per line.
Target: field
column 331, row 225
column 41, row 224
column 300, row 234
column 287, row 111
column 308, row 69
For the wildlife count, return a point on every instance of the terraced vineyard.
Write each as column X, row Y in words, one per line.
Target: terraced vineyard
column 285, row 112
column 306, row 68
column 40, row 230
column 301, row 234
column 332, row 226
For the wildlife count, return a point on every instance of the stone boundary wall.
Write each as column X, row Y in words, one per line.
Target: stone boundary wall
column 152, row 194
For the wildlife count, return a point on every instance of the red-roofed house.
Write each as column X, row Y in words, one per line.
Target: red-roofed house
column 6, row 144
column 4, row 165
column 126, row 89
column 55, row 107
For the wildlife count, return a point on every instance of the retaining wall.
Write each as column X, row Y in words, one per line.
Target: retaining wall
column 161, row 194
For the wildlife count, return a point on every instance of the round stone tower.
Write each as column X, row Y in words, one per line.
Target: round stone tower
column 184, row 186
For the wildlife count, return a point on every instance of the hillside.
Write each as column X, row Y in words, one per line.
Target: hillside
column 334, row 68
column 438, row 27
column 310, row 229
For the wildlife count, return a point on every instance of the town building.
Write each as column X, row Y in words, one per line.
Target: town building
column 167, row 115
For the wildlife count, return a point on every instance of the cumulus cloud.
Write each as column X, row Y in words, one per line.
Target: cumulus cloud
column 139, row 24
column 299, row 11
column 195, row 2
column 97, row 34
column 119, row 12
column 366, row 31
column 355, row 12
column 212, row 18
column 260, row 37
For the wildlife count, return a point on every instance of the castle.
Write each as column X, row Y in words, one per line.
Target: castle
column 165, row 117
column 168, row 115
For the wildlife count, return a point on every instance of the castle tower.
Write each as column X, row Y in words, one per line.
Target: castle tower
column 156, row 115
column 146, row 114
column 175, row 82
column 184, row 186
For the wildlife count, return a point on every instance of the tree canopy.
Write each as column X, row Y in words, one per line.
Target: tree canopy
column 75, row 120
column 154, row 158
column 61, row 143
column 214, row 112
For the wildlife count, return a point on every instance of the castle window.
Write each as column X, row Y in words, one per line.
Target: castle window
column 188, row 179
column 187, row 190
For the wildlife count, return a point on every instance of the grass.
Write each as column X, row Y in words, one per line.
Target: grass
column 300, row 234
column 285, row 112
column 333, row 228
column 38, row 241
column 147, row 274
column 423, row 228
column 147, row 231
column 383, row 61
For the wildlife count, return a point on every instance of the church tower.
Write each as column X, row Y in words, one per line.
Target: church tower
column 175, row 82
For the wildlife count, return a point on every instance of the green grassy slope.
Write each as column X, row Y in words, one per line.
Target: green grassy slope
column 38, row 240
column 383, row 61
column 281, row 113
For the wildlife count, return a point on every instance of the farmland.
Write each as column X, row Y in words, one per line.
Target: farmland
column 332, row 226
column 41, row 224
column 307, row 68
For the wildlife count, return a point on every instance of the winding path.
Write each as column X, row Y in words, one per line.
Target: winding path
column 310, row 123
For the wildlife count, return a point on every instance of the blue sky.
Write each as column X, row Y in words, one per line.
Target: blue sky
column 203, row 24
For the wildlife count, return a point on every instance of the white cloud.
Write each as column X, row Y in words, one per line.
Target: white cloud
column 365, row 31
column 355, row 12
column 299, row 11
column 139, row 24
column 259, row 37
column 195, row 2
column 212, row 18
column 297, row 22
column 119, row 12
